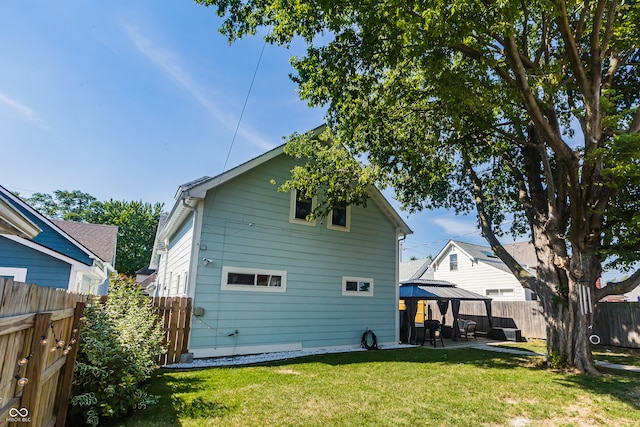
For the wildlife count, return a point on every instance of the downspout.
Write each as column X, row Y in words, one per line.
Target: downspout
column 194, row 254
column 193, row 262
column 400, row 237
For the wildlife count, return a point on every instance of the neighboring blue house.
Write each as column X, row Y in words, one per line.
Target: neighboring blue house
column 52, row 256
column 264, row 279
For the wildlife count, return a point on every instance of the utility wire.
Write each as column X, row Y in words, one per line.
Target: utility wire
column 244, row 106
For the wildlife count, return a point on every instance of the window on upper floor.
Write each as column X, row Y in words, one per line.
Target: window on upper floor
column 301, row 208
column 357, row 286
column 253, row 279
column 340, row 218
column 453, row 262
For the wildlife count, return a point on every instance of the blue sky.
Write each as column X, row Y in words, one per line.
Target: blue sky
column 130, row 99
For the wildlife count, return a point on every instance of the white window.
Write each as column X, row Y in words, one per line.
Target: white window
column 500, row 292
column 253, row 279
column 301, row 208
column 359, row 286
column 340, row 218
column 17, row 274
column 453, row 262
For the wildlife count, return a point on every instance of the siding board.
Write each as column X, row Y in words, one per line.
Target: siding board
column 246, row 224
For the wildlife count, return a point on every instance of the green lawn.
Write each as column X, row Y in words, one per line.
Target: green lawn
column 407, row 387
column 620, row 355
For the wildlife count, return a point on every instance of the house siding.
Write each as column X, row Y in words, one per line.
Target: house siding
column 175, row 265
column 477, row 277
column 52, row 239
column 42, row 269
column 246, row 224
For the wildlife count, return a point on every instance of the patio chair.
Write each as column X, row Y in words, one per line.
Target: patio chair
column 468, row 329
column 432, row 326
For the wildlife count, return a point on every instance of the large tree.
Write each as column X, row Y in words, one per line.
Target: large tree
column 136, row 220
column 526, row 110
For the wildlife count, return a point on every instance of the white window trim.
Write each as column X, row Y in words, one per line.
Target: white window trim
column 18, row 274
column 501, row 292
column 451, row 255
column 224, row 286
column 346, row 228
column 292, row 210
column 346, row 279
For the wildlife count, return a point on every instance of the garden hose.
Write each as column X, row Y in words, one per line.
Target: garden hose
column 369, row 340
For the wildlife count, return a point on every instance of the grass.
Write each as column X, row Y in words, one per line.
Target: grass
column 406, row 387
column 619, row 355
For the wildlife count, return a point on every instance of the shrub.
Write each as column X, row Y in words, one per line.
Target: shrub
column 120, row 343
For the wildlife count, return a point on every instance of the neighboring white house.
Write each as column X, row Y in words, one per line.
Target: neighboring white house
column 477, row 269
column 265, row 279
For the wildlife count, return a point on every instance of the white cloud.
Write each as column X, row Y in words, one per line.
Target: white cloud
column 457, row 227
column 165, row 60
column 22, row 109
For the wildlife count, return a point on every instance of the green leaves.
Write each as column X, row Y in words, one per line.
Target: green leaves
column 329, row 169
column 120, row 343
column 136, row 221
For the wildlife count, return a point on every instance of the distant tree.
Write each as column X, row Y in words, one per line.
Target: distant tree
column 67, row 205
column 473, row 106
column 137, row 222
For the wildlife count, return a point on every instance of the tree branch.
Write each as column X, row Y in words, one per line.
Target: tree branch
column 572, row 50
column 523, row 276
column 618, row 288
column 531, row 104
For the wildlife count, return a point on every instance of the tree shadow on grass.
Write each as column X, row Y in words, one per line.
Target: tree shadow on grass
column 165, row 412
column 173, row 406
column 620, row 385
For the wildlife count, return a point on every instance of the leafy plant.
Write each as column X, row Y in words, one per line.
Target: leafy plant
column 120, row 343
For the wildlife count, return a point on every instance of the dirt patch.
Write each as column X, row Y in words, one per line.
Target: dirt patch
column 288, row 372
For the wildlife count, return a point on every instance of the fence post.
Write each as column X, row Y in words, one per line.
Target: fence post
column 65, row 389
column 186, row 324
column 36, row 366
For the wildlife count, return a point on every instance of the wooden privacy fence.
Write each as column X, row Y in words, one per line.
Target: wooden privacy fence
column 616, row 323
column 175, row 313
column 36, row 366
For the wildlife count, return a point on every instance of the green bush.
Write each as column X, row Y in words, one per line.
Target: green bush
column 119, row 346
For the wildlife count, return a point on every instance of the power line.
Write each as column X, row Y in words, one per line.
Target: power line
column 244, row 106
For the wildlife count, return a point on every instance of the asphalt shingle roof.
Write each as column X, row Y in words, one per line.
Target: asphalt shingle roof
column 98, row 238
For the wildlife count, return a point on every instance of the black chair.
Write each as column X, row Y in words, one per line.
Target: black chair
column 432, row 326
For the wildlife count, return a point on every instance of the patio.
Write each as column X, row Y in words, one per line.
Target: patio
column 446, row 294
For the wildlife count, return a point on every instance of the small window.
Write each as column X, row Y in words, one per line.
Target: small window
column 301, row 208
column 251, row 279
column 500, row 292
column 453, row 262
column 357, row 286
column 340, row 218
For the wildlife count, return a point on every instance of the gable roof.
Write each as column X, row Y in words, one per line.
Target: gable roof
column 523, row 252
column 415, row 269
column 100, row 239
column 188, row 194
column 74, row 250
column 14, row 222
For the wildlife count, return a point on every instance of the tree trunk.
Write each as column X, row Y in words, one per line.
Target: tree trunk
column 568, row 332
column 570, row 316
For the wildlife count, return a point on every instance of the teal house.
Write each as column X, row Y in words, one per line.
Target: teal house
column 263, row 278
column 61, row 254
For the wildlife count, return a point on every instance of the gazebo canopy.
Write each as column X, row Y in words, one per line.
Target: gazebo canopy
column 428, row 289
column 414, row 290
